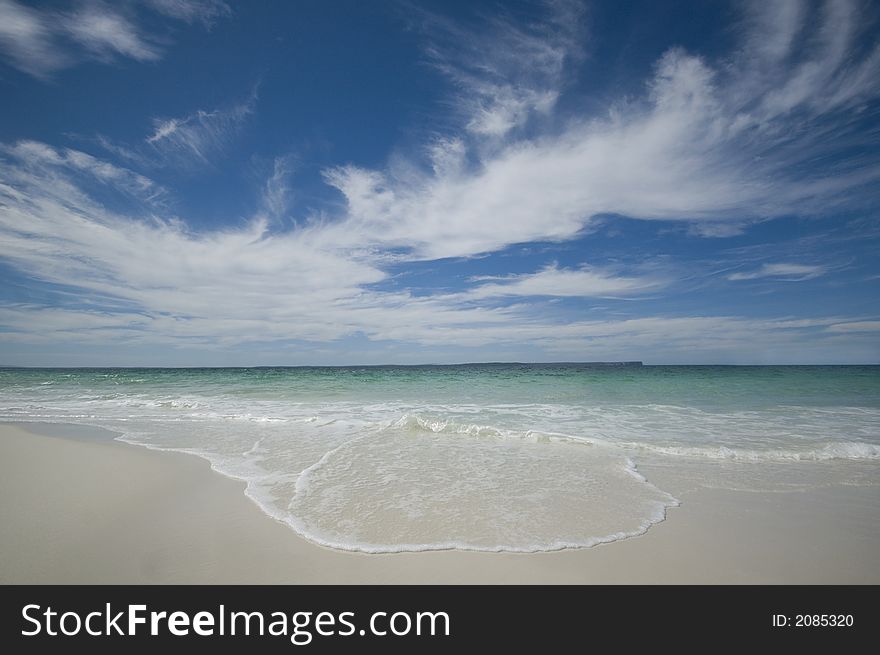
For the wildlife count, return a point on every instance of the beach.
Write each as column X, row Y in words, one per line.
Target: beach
column 77, row 506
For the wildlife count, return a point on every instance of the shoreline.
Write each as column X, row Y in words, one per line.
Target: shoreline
column 77, row 508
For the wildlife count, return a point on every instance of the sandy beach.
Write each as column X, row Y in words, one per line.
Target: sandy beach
column 78, row 507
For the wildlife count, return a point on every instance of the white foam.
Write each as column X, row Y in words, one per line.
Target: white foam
column 837, row 450
column 253, row 450
column 415, row 422
column 528, row 499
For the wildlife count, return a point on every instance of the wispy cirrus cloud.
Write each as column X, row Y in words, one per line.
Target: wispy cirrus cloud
column 206, row 12
column 41, row 42
column 552, row 281
column 855, row 326
column 507, row 72
column 714, row 145
column 55, row 231
column 197, row 138
column 105, row 34
column 27, row 38
column 789, row 272
column 797, row 58
column 194, row 141
column 276, row 193
column 58, row 166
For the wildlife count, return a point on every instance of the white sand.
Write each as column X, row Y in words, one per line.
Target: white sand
column 81, row 510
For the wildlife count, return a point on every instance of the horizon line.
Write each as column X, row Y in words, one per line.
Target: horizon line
column 621, row 363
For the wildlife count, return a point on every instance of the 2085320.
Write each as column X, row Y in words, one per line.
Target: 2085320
column 813, row 621
column 823, row 620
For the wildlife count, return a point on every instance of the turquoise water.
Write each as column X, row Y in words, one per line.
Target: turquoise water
column 487, row 457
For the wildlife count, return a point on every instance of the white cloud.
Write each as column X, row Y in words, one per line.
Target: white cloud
column 192, row 11
column 790, row 272
column 513, row 71
column 49, row 320
column 107, row 34
column 717, row 229
column 830, row 47
column 201, row 136
column 218, row 281
column 43, row 158
column 855, row 326
column 711, row 145
column 152, row 281
column 26, row 38
column 553, row 281
column 43, row 41
column 276, row 193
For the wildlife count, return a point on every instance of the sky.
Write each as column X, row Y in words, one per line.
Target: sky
column 209, row 183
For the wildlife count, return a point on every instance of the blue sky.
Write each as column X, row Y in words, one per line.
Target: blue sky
column 195, row 182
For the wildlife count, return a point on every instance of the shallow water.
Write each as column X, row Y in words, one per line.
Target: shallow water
column 488, row 457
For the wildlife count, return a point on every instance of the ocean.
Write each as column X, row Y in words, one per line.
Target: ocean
column 493, row 457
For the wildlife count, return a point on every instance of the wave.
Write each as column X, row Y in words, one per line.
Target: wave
column 258, row 485
column 342, row 480
column 853, row 450
column 298, row 526
column 416, row 423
